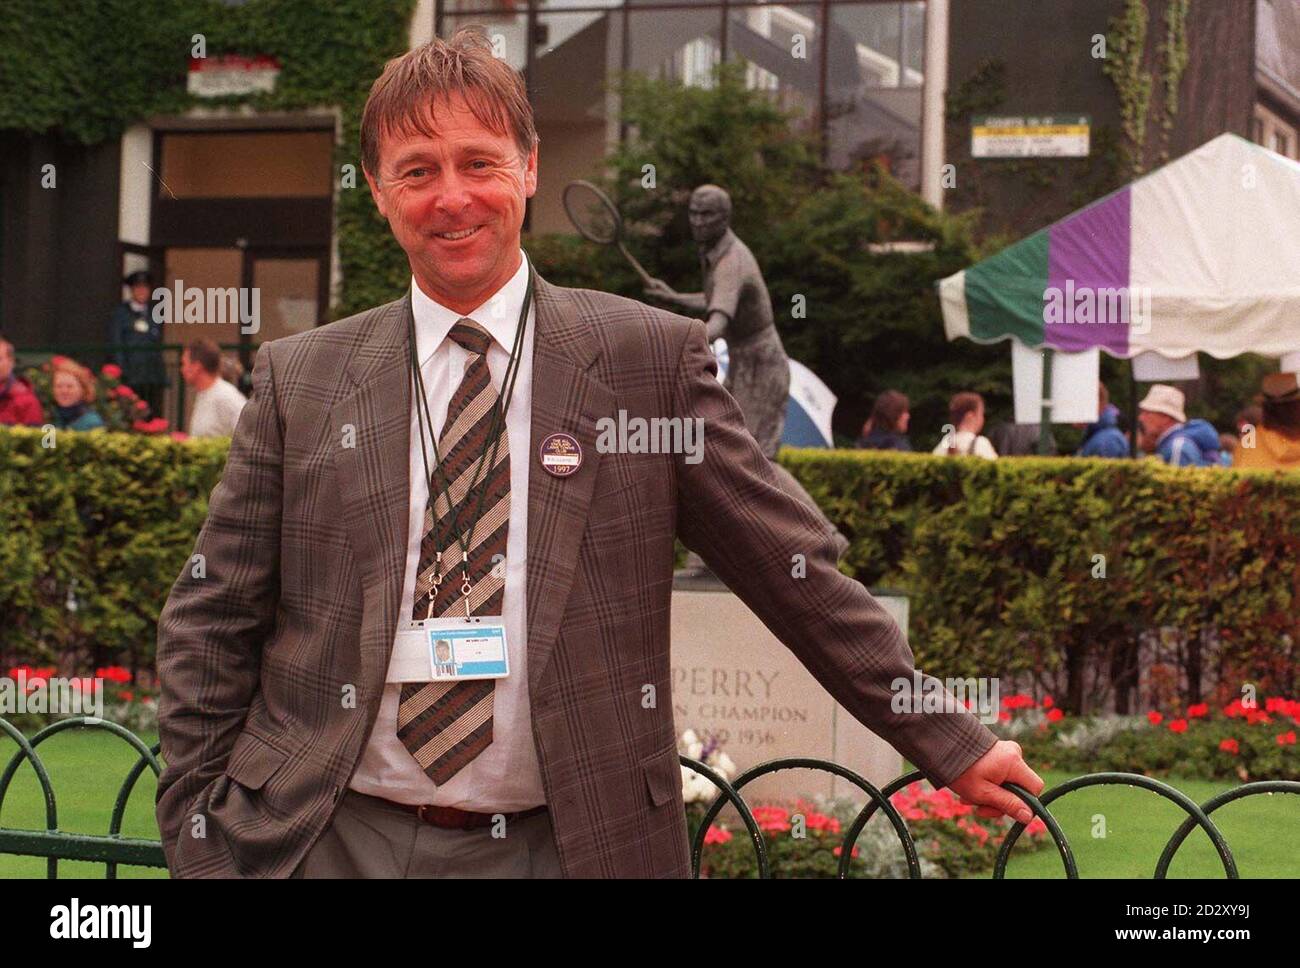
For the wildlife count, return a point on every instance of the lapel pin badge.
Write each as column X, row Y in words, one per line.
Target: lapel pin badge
column 561, row 455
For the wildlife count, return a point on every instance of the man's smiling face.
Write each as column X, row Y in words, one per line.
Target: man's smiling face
column 455, row 203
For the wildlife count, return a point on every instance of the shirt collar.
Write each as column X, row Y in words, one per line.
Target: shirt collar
column 720, row 249
column 498, row 314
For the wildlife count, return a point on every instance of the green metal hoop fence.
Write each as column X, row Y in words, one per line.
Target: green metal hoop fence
column 112, row 849
column 1198, row 815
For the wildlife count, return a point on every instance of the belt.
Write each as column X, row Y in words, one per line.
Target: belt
column 453, row 818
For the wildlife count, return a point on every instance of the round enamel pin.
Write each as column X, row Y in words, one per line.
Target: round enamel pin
column 561, row 455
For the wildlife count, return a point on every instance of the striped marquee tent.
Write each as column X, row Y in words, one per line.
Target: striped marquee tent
column 1202, row 255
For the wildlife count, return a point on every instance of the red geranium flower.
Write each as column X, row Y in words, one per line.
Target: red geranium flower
column 1048, row 702
column 117, row 674
column 1155, row 718
column 1230, row 746
column 772, row 818
column 124, row 391
column 1198, row 710
column 141, row 405
column 1055, row 716
column 112, row 371
column 852, row 853
column 819, row 821
column 1286, row 739
column 155, row 426
column 716, row 835
column 1178, row 726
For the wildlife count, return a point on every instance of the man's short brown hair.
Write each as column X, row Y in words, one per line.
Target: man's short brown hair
column 206, row 354
column 962, row 404
column 404, row 97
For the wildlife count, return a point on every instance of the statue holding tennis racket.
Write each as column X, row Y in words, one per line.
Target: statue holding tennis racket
column 735, row 306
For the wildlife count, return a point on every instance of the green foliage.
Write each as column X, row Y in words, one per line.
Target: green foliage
column 1263, row 749
column 67, row 69
column 106, row 520
column 872, row 321
column 999, row 558
column 1126, row 47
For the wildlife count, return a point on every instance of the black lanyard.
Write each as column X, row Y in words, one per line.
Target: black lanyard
column 485, row 460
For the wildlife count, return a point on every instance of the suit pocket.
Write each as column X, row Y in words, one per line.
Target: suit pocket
column 253, row 761
column 663, row 777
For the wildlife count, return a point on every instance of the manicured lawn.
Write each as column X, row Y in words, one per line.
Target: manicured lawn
column 86, row 769
column 1262, row 832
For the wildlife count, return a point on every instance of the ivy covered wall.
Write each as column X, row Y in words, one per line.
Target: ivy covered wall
column 85, row 71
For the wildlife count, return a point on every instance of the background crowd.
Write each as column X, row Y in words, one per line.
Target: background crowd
column 1266, row 435
column 68, row 395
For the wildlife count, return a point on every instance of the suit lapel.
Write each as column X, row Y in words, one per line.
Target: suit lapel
column 374, row 479
column 373, row 474
column 566, row 399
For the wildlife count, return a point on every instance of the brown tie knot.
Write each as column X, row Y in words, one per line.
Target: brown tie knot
column 471, row 336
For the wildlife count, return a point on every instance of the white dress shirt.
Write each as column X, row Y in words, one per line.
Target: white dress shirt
column 506, row 776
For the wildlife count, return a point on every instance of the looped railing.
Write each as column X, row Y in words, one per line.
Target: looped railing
column 113, row 849
column 1198, row 815
column 55, row 845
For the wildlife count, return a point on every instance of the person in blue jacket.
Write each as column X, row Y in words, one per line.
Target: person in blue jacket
column 1166, row 431
column 1105, row 438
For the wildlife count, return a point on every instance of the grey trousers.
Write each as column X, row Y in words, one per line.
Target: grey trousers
column 369, row 837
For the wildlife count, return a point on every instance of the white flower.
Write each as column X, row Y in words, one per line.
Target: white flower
column 698, row 787
column 694, row 750
column 689, row 738
column 725, row 766
column 688, row 787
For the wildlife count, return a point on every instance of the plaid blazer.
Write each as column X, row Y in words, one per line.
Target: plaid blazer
column 272, row 663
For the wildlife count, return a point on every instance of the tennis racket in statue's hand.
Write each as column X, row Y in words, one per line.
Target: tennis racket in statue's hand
column 597, row 220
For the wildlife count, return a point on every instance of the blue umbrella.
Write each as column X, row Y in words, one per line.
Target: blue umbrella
column 809, row 407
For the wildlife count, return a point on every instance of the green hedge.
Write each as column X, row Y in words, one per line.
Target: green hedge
column 104, row 520
column 998, row 557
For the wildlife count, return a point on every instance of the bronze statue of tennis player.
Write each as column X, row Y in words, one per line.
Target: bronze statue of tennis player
column 737, row 308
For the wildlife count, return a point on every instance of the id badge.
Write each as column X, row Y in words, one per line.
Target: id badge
column 466, row 648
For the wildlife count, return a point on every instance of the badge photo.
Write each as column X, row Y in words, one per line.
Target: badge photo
column 561, row 454
column 466, row 649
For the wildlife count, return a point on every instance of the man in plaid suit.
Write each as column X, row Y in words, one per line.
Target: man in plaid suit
column 301, row 732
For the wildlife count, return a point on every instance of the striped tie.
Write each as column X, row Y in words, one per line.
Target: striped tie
column 446, row 724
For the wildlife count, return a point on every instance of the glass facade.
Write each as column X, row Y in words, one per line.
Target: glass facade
column 852, row 70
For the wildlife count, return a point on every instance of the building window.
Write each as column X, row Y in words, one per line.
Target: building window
column 853, row 71
column 781, row 49
column 874, row 78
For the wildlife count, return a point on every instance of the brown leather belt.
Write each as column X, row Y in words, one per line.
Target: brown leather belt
column 452, row 818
